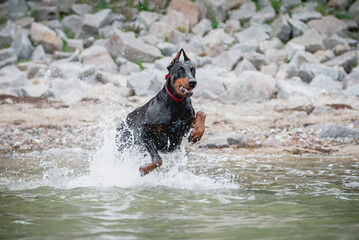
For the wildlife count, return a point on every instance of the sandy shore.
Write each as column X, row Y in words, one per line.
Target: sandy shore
column 275, row 126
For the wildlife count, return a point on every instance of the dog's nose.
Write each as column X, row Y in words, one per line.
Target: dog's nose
column 192, row 82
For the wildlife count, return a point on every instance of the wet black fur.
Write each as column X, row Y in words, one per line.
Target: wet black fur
column 162, row 122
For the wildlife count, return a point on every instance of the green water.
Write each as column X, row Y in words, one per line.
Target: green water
column 210, row 195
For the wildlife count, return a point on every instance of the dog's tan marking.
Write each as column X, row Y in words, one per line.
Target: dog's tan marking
column 198, row 127
column 181, row 82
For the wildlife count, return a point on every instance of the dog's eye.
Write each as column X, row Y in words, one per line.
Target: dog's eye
column 193, row 71
column 180, row 70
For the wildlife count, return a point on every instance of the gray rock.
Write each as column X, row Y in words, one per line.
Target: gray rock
column 253, row 33
column 38, row 53
column 147, row 18
column 331, row 130
column 129, row 67
column 323, row 109
column 308, row 71
column 287, row 5
column 281, row 29
column 250, row 46
column 224, row 140
column 46, row 13
column 7, row 57
column 292, row 49
column 301, row 57
column 43, row 35
column 6, row 36
column 352, row 78
column 22, row 44
column 103, row 17
column 99, row 57
column 298, row 27
column 346, row 60
column 250, row 86
column 203, row 27
column 89, row 27
column 275, row 55
column 352, row 91
column 54, row 24
column 215, row 42
column 141, row 82
column 354, row 8
column 131, row 48
column 73, row 44
column 68, row 70
column 328, row 25
column 286, row 71
column 64, row 5
column 310, row 39
column 341, row 49
column 339, row 4
column 274, row 43
column 295, row 87
column 232, row 26
column 162, row 63
column 324, row 55
column 209, row 81
column 246, row 11
column 267, row 13
column 166, row 48
column 162, row 31
column 228, row 59
column 332, row 41
column 244, row 65
column 71, row 23
column 12, row 77
column 81, row 9
column 255, row 58
column 323, row 82
column 306, row 16
column 17, row 8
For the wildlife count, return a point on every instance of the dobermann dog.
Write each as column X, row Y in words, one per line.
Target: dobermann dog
column 163, row 121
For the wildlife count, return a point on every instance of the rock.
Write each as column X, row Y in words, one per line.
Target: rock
column 228, row 59
column 210, row 82
column 301, row 57
column 281, row 29
column 328, row 25
column 7, row 57
column 203, row 27
column 325, row 83
column 352, row 91
column 129, row 67
column 17, row 8
column 346, row 60
column 270, row 69
column 274, row 43
column 331, row 130
column 323, row 109
column 220, row 7
column 190, row 10
column 295, row 87
column 68, row 70
column 250, row 46
column 275, row 55
column 324, row 55
column 117, row 79
column 246, row 11
column 306, row 16
column 266, row 13
column 215, row 42
column 286, row 71
column 354, row 8
column 103, row 17
column 292, row 49
column 310, row 39
column 99, row 57
column 253, row 33
column 244, row 65
column 70, row 91
column 142, row 83
column 24, row 22
column 89, row 27
column 341, row 49
column 46, row 13
column 162, row 63
column 38, row 53
column 352, row 78
column 147, row 18
column 167, row 49
column 308, row 71
column 22, row 44
column 6, row 36
column 298, row 27
column 64, row 6
column 36, row 70
column 338, row 4
column 162, row 31
column 250, row 86
column 224, row 140
column 333, row 41
column 12, row 77
column 37, row 87
column 231, row 27
column 255, row 58
column 73, row 44
column 54, row 24
column 131, row 48
column 81, row 9
column 71, row 23
column 43, row 35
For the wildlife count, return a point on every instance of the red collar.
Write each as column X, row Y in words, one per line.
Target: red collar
column 173, row 97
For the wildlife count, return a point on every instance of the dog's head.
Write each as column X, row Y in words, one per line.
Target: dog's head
column 182, row 75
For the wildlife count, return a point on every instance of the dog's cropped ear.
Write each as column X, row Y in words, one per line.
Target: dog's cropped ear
column 185, row 56
column 176, row 58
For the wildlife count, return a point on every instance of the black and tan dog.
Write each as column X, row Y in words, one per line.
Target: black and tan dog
column 163, row 121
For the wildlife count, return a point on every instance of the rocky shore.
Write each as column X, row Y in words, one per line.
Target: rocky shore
column 273, row 76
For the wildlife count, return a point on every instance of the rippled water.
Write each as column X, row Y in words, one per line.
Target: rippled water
column 74, row 194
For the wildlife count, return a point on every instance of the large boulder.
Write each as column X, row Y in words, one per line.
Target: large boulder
column 17, row 8
column 281, row 29
column 308, row 71
column 44, row 13
column 147, row 18
column 127, row 45
column 43, row 35
column 254, row 33
column 228, row 59
column 99, row 57
column 188, row 9
column 354, row 8
column 12, row 77
column 352, row 78
column 325, row 83
column 346, row 60
column 311, row 39
column 89, row 27
column 210, row 82
column 215, row 42
column 202, row 27
column 295, row 87
column 81, row 9
column 162, row 30
column 250, row 86
column 298, row 27
column 242, row 66
column 328, row 25
column 306, row 16
column 145, row 83
column 7, row 57
column 71, row 23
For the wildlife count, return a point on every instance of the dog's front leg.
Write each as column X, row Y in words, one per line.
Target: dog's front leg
column 156, row 158
column 198, row 127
